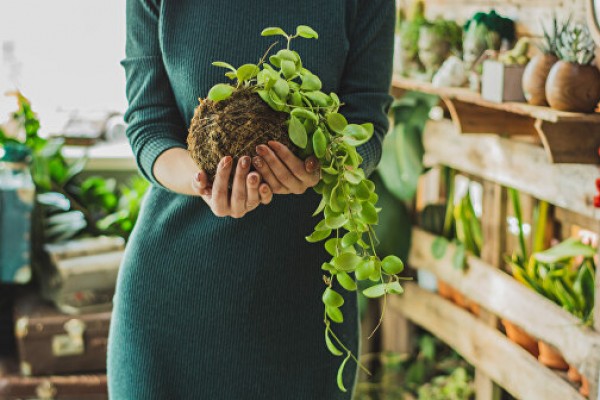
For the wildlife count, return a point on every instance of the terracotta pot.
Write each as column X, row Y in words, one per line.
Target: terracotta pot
column 474, row 308
column 520, row 337
column 573, row 375
column 445, row 290
column 551, row 358
column 459, row 299
column 573, row 87
column 584, row 390
column 535, row 76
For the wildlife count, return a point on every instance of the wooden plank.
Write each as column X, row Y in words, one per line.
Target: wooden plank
column 468, row 96
column 510, row 163
column 570, row 142
column 499, row 293
column 506, row 363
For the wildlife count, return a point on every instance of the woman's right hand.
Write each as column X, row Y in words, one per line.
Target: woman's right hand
column 247, row 192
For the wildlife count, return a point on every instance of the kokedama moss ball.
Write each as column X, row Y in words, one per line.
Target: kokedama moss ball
column 234, row 127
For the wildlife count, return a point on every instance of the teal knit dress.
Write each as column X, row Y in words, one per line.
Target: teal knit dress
column 221, row 308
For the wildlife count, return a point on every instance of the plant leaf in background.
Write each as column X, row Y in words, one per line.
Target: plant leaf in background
column 402, row 156
column 565, row 250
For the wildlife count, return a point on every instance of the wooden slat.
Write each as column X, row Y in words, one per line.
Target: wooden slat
column 499, row 293
column 510, row 163
column 506, row 363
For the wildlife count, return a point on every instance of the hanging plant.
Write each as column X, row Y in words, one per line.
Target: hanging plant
column 281, row 100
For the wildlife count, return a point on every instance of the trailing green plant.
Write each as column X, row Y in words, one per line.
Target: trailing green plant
column 575, row 45
column 348, row 197
column 549, row 45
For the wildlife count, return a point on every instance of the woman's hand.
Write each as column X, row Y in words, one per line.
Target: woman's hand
column 247, row 192
column 283, row 171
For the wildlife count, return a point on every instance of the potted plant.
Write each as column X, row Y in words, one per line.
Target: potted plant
column 438, row 39
column 537, row 70
column 573, row 83
column 406, row 58
column 280, row 99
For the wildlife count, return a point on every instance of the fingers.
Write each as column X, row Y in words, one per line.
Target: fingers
column 266, row 194
column 300, row 169
column 280, row 170
column 313, row 169
column 201, row 185
column 220, row 198
column 238, row 191
column 253, row 198
column 267, row 175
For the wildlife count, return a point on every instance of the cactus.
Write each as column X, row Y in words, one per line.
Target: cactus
column 552, row 37
column 576, row 45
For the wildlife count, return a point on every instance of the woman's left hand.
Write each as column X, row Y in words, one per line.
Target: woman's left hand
column 283, row 171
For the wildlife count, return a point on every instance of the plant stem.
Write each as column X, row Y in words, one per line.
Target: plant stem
column 514, row 195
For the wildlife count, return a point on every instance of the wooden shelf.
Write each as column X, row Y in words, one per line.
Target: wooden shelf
column 514, row 164
column 483, row 346
column 567, row 137
column 500, row 294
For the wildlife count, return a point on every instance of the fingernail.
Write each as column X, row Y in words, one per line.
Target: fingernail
column 261, row 149
column 226, row 161
column 245, row 162
column 274, row 143
column 311, row 164
column 264, row 189
column 258, row 162
column 253, row 179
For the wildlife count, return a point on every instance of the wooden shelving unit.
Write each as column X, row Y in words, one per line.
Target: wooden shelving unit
column 566, row 137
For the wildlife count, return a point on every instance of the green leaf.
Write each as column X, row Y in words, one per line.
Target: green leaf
column 311, row 82
column 334, row 199
column 272, row 31
column 438, row 247
column 346, row 261
column 289, row 55
column 321, row 206
column 337, row 122
column 276, row 61
column 392, row 265
column 306, row 32
column 331, row 246
column 247, row 72
column 231, row 75
column 395, row 287
column 282, row 88
column 459, row 257
column 317, row 236
column 364, row 269
column 296, row 99
column 336, row 222
column 340, row 374
column 332, row 298
column 220, row 92
column 317, row 97
column 355, row 135
column 328, row 267
column 304, row 113
column 353, row 176
column 288, row 68
column 319, row 143
column 569, row 248
column 349, row 239
column 330, row 346
column 362, row 191
column 297, row 132
column 224, row 65
column 334, row 314
column 375, row 291
column 369, row 214
column 346, row 281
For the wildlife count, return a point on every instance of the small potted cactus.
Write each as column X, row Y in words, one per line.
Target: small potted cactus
column 574, row 81
column 537, row 70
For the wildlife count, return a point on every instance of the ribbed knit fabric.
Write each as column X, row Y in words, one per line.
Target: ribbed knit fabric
column 222, row 308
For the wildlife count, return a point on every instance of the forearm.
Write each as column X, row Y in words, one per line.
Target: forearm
column 175, row 170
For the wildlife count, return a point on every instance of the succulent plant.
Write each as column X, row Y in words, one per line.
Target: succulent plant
column 576, row 45
column 551, row 37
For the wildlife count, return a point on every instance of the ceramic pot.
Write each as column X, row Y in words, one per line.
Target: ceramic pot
column 445, row 290
column 584, row 390
column 535, row 76
column 573, row 375
column 551, row 358
column 573, row 87
column 520, row 337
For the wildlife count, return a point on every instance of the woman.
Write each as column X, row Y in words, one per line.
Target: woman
column 213, row 307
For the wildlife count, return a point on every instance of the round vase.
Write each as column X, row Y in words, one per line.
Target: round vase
column 573, row 87
column 535, row 76
column 520, row 337
column 551, row 358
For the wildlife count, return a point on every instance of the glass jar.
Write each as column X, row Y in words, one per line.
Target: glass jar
column 17, row 195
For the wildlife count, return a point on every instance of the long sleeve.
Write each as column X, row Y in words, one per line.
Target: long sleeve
column 367, row 75
column 154, row 122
